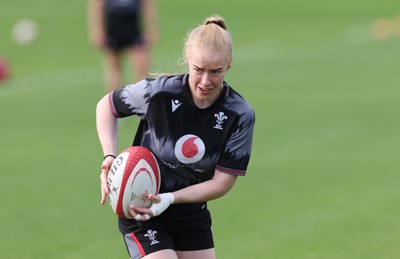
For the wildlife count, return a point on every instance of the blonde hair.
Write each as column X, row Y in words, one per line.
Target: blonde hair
column 211, row 35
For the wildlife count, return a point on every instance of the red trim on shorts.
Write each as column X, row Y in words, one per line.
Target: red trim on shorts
column 142, row 252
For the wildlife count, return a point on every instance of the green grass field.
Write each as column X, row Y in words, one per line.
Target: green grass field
column 324, row 174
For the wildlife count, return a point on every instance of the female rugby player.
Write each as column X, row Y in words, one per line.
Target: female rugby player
column 199, row 129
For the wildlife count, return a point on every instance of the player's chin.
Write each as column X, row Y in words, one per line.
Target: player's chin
column 203, row 95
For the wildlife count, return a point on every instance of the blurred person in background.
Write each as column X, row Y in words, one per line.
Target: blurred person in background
column 123, row 26
column 199, row 129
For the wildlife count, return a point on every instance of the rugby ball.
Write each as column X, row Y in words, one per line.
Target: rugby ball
column 133, row 175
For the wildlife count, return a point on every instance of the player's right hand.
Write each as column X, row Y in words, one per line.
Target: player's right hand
column 105, row 168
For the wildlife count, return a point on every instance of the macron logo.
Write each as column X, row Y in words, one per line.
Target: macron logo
column 175, row 104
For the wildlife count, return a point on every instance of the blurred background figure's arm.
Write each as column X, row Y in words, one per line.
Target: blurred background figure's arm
column 150, row 18
column 96, row 23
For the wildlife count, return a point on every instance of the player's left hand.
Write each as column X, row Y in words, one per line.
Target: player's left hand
column 159, row 204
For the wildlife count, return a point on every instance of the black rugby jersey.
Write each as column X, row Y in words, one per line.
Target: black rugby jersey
column 189, row 143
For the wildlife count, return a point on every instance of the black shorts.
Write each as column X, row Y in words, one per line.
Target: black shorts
column 183, row 227
column 122, row 31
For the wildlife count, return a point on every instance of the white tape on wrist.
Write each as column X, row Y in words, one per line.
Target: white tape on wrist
column 166, row 200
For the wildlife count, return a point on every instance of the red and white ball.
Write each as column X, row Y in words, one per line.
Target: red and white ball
column 134, row 174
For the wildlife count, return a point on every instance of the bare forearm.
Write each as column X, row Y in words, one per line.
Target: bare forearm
column 209, row 190
column 95, row 18
column 107, row 128
column 150, row 16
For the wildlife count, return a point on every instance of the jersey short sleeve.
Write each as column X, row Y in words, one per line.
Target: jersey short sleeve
column 236, row 154
column 130, row 100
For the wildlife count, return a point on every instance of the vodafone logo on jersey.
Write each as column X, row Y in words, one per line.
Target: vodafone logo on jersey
column 189, row 149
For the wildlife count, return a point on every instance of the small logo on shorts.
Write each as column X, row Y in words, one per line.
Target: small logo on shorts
column 151, row 234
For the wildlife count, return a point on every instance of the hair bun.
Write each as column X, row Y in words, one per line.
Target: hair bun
column 220, row 23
